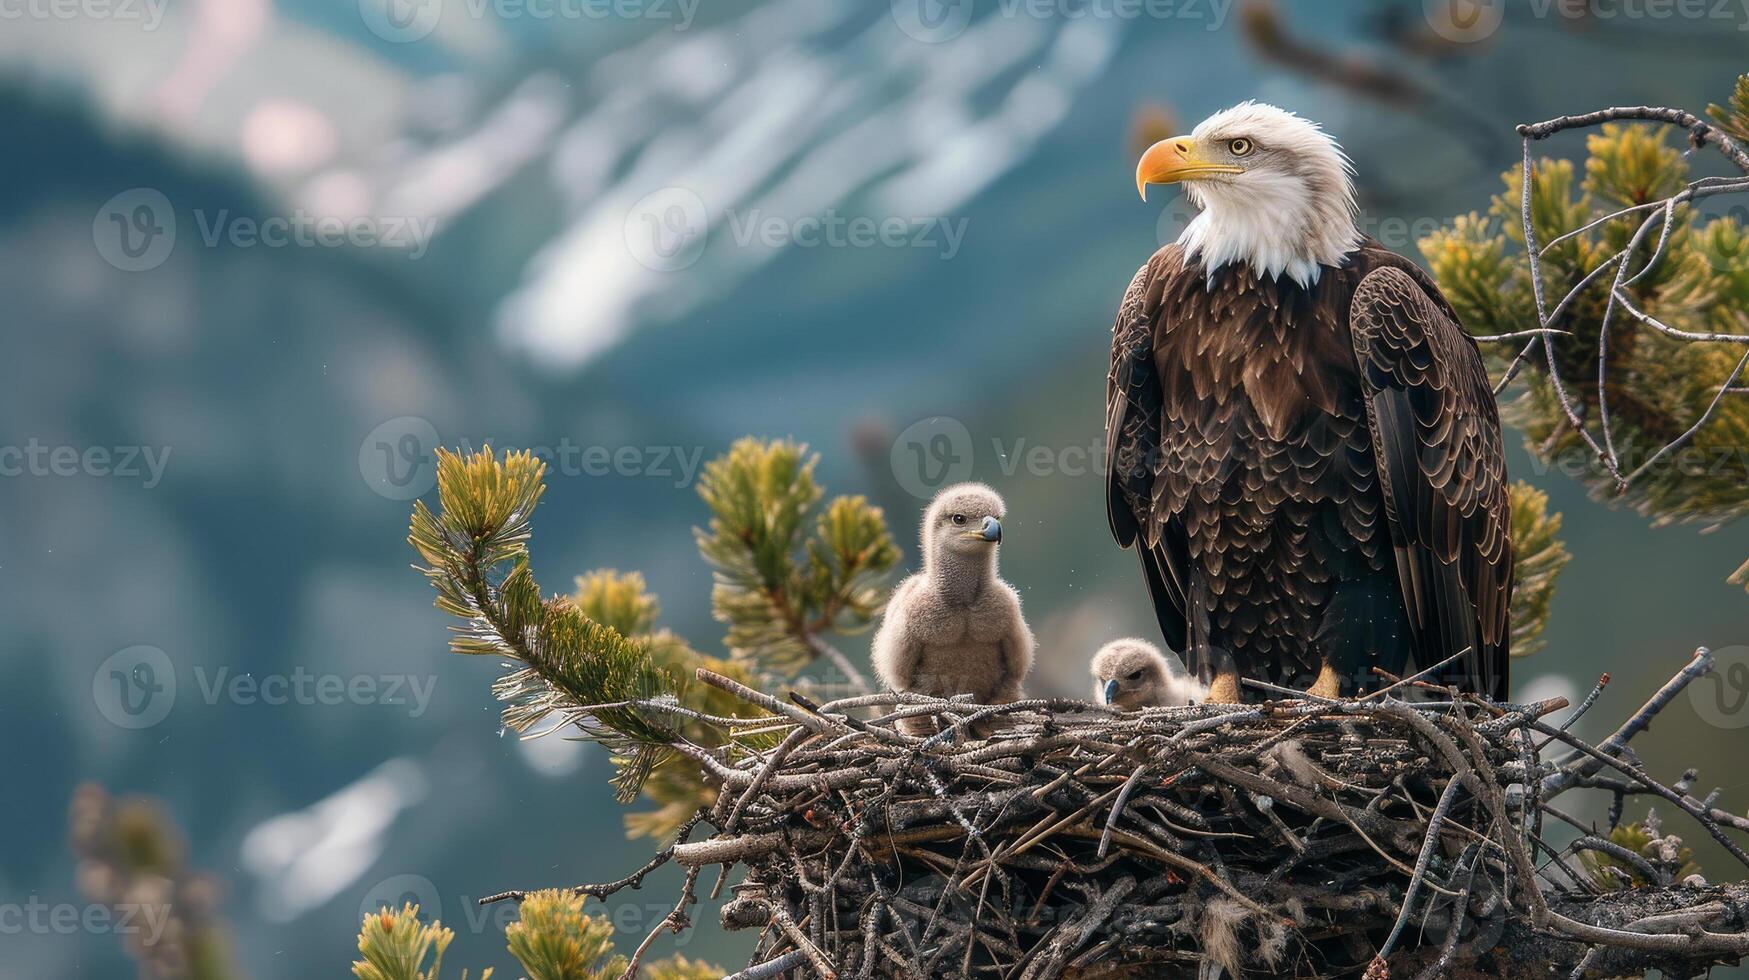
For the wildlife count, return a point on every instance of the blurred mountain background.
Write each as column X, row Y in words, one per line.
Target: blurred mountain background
column 628, row 233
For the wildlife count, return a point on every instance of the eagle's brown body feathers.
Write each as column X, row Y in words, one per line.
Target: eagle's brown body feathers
column 1312, row 475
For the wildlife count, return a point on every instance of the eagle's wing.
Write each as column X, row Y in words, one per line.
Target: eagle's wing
column 1132, row 452
column 1436, row 435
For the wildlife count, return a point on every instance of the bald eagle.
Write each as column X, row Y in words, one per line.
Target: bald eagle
column 1303, row 445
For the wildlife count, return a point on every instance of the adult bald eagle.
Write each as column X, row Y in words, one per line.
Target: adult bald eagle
column 1303, row 445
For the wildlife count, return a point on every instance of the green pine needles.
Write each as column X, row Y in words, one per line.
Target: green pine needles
column 552, row 939
column 395, row 946
column 786, row 571
column 597, row 663
column 586, row 672
column 1538, row 555
column 789, row 572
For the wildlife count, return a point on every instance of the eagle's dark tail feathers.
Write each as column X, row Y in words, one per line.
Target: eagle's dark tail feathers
column 1166, row 604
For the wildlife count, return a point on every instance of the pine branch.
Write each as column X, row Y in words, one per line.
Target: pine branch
column 571, row 664
column 395, row 945
column 552, row 939
column 786, row 572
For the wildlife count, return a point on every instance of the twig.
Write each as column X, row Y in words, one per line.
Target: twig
column 1699, row 130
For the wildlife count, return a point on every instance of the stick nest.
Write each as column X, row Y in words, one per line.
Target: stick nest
column 1297, row 837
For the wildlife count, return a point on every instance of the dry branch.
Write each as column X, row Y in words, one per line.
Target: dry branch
column 1659, row 214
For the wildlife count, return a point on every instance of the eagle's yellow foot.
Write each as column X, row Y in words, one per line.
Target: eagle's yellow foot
column 1328, row 684
column 1224, row 689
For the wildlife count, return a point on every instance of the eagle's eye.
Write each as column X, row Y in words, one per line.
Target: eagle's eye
column 959, row 518
column 1241, row 146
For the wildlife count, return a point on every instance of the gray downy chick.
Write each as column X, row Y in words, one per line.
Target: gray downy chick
column 955, row 627
column 1133, row 674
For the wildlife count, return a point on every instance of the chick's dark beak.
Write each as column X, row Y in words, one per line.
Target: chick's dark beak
column 992, row 530
column 1111, row 691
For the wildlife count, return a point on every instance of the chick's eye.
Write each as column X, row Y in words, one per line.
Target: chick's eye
column 1241, row 146
column 959, row 518
column 1135, row 675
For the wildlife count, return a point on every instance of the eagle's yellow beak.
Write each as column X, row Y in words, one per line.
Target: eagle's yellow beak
column 1176, row 159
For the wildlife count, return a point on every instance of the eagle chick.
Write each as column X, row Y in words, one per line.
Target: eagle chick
column 1133, row 674
column 955, row 627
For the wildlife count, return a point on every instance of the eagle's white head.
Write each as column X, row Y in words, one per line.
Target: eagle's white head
column 1275, row 192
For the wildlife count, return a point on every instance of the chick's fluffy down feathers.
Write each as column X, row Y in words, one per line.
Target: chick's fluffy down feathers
column 1145, row 677
column 956, row 627
column 928, row 644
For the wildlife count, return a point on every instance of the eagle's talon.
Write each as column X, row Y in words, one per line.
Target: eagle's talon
column 1224, row 689
column 1328, row 685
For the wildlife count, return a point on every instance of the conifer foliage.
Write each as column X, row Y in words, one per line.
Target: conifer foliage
column 1645, row 273
column 552, row 939
column 789, row 572
column 1538, row 555
column 586, row 672
column 786, row 570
